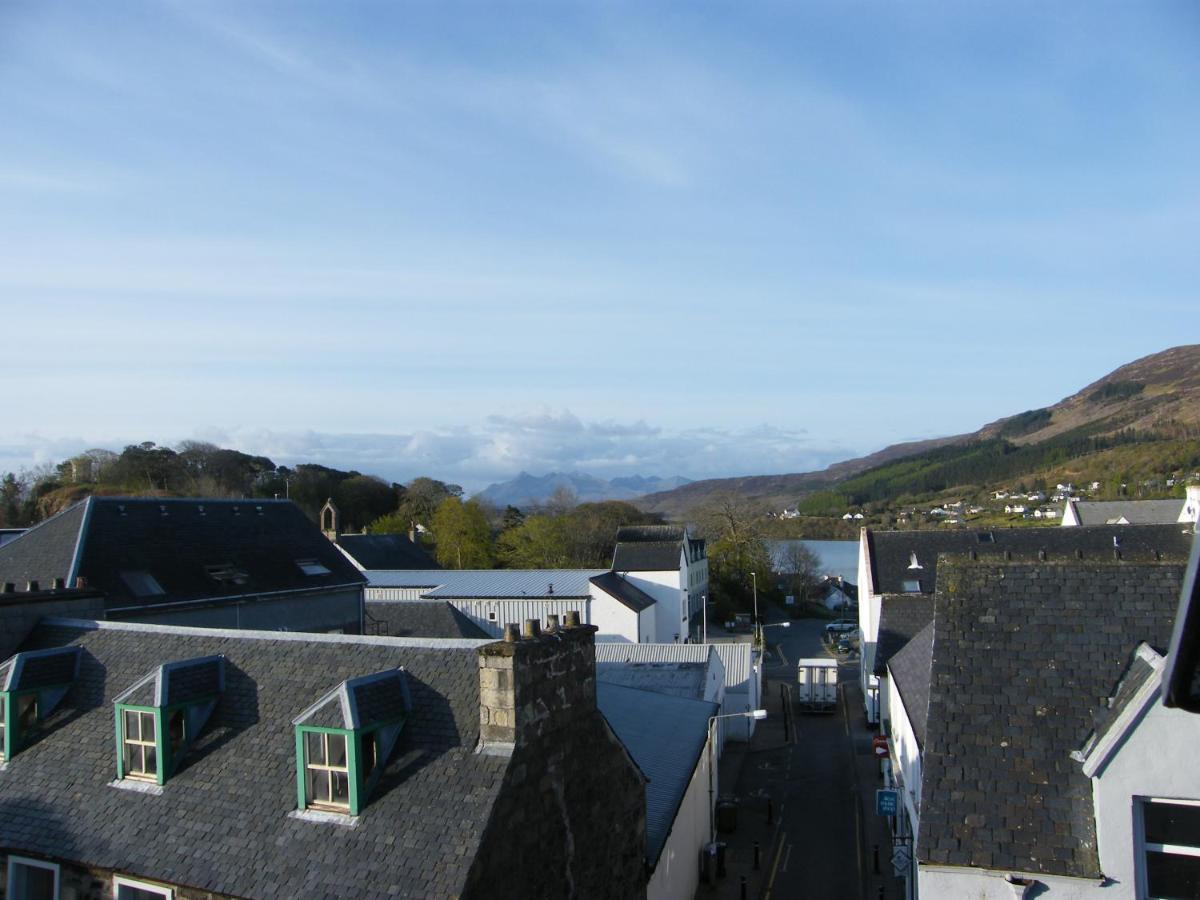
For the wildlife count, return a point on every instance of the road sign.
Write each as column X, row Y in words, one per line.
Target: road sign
column 886, row 802
column 790, row 600
column 901, row 861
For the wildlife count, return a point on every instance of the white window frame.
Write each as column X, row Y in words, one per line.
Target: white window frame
column 120, row 881
column 10, row 889
column 1144, row 846
column 141, row 743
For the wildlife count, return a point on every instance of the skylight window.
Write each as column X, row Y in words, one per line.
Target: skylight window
column 312, row 567
column 226, row 573
column 911, row 586
column 985, row 537
column 142, row 583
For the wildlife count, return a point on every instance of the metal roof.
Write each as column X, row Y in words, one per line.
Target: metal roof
column 666, row 736
column 470, row 583
column 737, row 659
column 676, row 678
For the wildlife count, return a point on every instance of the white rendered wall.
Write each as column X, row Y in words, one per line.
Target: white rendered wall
column 869, row 605
column 1157, row 759
column 617, row 622
column 669, row 590
column 677, row 874
column 950, row 883
column 906, row 752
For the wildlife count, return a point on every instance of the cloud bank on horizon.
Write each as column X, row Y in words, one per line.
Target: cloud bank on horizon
column 498, row 450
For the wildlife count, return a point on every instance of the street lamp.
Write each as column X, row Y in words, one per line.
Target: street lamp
column 757, row 715
column 704, row 607
column 757, row 630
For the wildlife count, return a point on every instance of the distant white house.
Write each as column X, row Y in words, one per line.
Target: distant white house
column 1134, row 512
column 1014, row 509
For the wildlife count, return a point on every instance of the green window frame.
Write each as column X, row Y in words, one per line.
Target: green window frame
column 321, row 764
column 20, row 713
column 139, row 754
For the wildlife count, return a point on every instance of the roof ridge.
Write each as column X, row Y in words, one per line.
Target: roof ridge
column 283, row 636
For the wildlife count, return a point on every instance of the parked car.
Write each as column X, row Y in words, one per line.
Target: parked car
column 740, row 622
column 841, row 626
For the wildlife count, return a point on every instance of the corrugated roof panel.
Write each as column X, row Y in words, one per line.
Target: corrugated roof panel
column 736, row 658
column 450, row 583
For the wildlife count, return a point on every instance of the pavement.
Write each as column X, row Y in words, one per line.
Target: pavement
column 805, row 790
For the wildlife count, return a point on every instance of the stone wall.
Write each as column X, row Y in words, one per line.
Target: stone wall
column 21, row 610
column 571, row 817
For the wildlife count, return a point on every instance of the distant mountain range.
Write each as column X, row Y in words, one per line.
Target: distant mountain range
column 532, row 490
column 1142, row 418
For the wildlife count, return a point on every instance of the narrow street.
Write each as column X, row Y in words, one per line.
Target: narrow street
column 819, row 779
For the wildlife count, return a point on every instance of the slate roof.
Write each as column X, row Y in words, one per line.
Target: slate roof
column 1139, row 672
column 910, row 670
column 680, row 679
column 222, row 823
column 630, row 595
column 44, row 668
column 466, row 584
column 891, row 551
column 422, row 619
column 1136, row 512
column 647, row 556
column 666, row 736
column 362, row 702
column 174, row 541
column 653, row 533
column 1022, row 655
column 900, row 618
column 385, row 551
column 10, row 534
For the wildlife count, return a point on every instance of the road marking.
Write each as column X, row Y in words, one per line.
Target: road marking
column 775, row 867
column 787, row 857
column 784, row 659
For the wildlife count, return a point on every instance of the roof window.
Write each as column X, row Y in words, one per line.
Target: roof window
column 142, row 583
column 312, row 567
column 160, row 716
column 344, row 740
column 226, row 573
column 985, row 537
column 31, row 686
column 911, row 586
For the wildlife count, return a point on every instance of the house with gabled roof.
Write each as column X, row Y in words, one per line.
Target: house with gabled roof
column 1133, row 512
column 906, row 563
column 1026, row 741
column 177, row 762
column 211, row 563
column 671, row 565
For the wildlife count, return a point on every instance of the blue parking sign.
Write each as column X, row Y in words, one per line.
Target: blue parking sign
column 886, row 802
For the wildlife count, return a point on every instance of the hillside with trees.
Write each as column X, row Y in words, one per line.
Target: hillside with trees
column 1134, row 431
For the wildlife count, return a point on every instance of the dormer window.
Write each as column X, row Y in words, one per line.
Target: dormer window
column 160, row 717
column 31, row 686
column 343, row 741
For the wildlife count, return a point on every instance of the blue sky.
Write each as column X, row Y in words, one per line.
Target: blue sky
column 468, row 239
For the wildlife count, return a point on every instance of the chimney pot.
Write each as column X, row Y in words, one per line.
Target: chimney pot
column 552, row 623
column 31, row 586
column 9, row 587
column 511, row 636
column 573, row 618
column 80, row 582
column 533, row 628
column 59, row 584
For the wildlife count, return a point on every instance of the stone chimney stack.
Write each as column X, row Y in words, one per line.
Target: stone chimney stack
column 533, row 684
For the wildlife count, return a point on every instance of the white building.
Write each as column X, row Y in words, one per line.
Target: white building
column 1134, row 512
column 671, row 566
